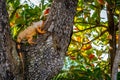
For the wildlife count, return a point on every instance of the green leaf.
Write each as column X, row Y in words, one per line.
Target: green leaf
column 117, row 3
column 20, row 21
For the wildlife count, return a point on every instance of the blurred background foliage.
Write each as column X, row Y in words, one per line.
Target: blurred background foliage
column 88, row 56
column 21, row 15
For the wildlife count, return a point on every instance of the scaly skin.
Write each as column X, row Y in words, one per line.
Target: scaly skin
column 29, row 32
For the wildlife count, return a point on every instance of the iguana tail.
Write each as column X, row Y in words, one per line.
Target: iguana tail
column 21, row 57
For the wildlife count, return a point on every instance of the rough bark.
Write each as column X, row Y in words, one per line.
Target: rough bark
column 9, row 60
column 117, row 57
column 45, row 59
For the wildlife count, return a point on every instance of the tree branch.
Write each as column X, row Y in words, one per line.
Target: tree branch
column 96, row 37
column 117, row 57
column 93, row 24
column 86, row 29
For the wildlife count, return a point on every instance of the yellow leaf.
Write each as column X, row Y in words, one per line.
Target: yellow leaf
column 79, row 9
column 84, row 54
column 117, row 11
column 75, row 19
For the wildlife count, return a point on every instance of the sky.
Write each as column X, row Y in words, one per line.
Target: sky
column 36, row 2
column 103, row 15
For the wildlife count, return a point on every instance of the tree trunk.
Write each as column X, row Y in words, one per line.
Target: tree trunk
column 45, row 59
column 9, row 60
column 117, row 57
column 112, row 32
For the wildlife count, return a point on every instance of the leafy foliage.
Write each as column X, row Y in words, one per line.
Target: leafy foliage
column 22, row 15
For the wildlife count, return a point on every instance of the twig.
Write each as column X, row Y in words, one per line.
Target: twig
column 96, row 37
column 90, row 28
column 100, row 25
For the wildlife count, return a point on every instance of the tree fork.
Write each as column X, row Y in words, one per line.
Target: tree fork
column 45, row 59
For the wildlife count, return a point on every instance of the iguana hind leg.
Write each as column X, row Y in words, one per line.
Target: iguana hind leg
column 30, row 40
